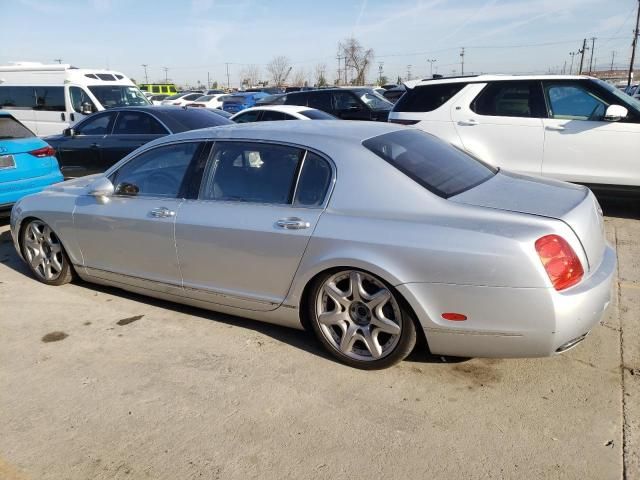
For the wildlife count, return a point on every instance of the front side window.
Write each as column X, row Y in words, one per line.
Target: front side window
column 344, row 101
column 246, row 117
column 137, row 123
column 156, row 173
column 272, row 115
column 251, row 172
column 437, row 166
column 374, row 100
column 510, row 99
column 78, row 97
column 50, row 99
column 111, row 96
column 574, row 102
column 427, row 98
column 96, row 125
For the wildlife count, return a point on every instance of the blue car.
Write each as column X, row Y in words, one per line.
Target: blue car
column 27, row 163
column 241, row 100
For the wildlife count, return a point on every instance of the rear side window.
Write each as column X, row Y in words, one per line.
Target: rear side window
column 434, row 164
column 314, row 181
column 10, row 128
column 427, row 98
column 50, row 99
column 193, row 119
column 297, row 99
column 317, row 115
column 137, row 123
column 510, row 99
column 17, row 97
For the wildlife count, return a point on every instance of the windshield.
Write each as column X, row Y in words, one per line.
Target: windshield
column 10, row 128
column 623, row 97
column 119, row 96
column 374, row 100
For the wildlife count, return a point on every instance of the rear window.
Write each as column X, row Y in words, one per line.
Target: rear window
column 317, row 115
column 428, row 97
column 437, row 166
column 10, row 128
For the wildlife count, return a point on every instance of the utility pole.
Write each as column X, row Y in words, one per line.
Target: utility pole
column 166, row 71
column 564, row 68
column 380, row 65
column 339, row 58
column 593, row 47
column 228, row 82
column 613, row 57
column 408, row 72
column 431, row 61
column 633, row 46
column 59, row 60
column 208, row 81
column 146, row 77
column 462, row 61
column 581, row 52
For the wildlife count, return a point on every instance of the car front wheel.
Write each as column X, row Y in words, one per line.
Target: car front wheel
column 45, row 254
column 360, row 319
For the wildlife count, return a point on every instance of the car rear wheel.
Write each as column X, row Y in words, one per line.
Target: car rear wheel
column 360, row 319
column 44, row 254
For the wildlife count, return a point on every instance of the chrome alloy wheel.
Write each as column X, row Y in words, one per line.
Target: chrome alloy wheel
column 358, row 315
column 43, row 251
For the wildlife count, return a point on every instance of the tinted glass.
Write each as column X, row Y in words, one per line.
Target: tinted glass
column 314, row 181
column 194, row 118
column 247, row 117
column 343, row 101
column 78, row 97
column 192, row 96
column 50, row 99
column 175, row 97
column 155, row 89
column 119, row 96
column 573, row 102
column 434, row 164
column 157, row 173
column 427, row 98
column 318, row 115
column 509, row 99
column 251, row 172
column 137, row 123
column 297, row 99
column 10, row 128
column 17, row 97
column 374, row 100
column 97, row 125
column 272, row 115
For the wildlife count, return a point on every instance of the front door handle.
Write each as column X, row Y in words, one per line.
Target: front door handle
column 292, row 223
column 162, row 212
column 469, row 123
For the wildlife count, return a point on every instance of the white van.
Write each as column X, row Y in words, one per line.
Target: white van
column 50, row 98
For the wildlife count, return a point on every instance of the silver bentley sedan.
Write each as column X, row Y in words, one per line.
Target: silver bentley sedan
column 370, row 234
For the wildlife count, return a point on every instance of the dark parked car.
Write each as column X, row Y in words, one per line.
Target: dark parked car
column 346, row 103
column 102, row 139
column 394, row 94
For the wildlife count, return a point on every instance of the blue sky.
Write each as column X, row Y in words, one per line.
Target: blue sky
column 192, row 38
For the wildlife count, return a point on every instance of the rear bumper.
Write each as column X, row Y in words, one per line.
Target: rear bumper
column 511, row 322
column 11, row 192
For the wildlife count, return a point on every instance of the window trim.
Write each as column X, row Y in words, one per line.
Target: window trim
column 292, row 204
column 162, row 124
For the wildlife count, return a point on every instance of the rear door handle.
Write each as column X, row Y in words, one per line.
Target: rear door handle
column 162, row 212
column 469, row 123
column 293, row 223
column 555, row 128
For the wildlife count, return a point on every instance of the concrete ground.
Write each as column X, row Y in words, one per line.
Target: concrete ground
column 96, row 383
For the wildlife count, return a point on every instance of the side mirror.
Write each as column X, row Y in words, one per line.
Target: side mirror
column 68, row 132
column 615, row 113
column 102, row 189
column 86, row 108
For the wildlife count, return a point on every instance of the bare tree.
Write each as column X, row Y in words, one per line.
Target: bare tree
column 357, row 59
column 279, row 68
column 320, row 78
column 299, row 78
column 250, row 75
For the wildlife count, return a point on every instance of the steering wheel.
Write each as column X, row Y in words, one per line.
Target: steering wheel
column 161, row 183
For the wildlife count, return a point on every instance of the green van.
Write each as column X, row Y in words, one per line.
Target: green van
column 159, row 88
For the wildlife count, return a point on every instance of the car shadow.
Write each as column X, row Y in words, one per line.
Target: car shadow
column 619, row 207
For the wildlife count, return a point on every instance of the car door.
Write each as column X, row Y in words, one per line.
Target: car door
column 130, row 238
column 500, row 123
column 80, row 101
column 348, row 106
column 580, row 145
column 49, row 111
column 132, row 129
column 240, row 242
column 79, row 154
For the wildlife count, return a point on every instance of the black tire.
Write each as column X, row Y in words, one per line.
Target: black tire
column 403, row 346
column 60, row 268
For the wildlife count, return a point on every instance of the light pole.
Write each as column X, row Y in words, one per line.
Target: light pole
column 431, row 61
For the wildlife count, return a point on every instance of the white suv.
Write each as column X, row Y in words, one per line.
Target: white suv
column 572, row 128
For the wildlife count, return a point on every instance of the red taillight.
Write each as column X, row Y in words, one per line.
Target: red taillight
column 47, row 151
column 454, row 317
column 560, row 261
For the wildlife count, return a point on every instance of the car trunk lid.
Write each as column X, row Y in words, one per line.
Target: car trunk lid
column 574, row 205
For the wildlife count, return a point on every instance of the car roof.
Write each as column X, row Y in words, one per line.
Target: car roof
column 490, row 78
column 280, row 108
